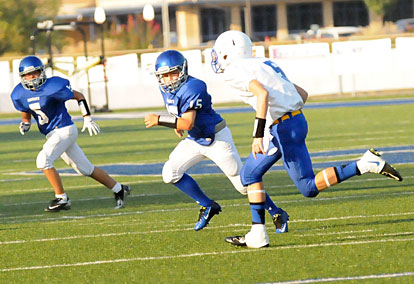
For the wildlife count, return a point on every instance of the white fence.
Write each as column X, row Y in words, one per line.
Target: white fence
column 351, row 67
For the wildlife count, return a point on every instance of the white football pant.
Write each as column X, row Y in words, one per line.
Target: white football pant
column 61, row 142
column 222, row 152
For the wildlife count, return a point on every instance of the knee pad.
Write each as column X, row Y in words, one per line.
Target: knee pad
column 43, row 162
column 169, row 174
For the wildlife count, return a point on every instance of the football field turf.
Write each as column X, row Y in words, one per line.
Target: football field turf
column 360, row 231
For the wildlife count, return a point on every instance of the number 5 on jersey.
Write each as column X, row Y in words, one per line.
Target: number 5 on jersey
column 43, row 119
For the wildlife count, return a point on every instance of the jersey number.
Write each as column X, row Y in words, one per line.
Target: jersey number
column 198, row 104
column 43, row 119
column 276, row 69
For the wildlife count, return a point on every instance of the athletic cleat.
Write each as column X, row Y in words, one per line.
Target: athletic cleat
column 256, row 238
column 206, row 213
column 121, row 196
column 236, row 241
column 59, row 204
column 371, row 162
column 281, row 222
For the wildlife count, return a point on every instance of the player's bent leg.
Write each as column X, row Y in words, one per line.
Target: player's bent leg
column 371, row 162
column 75, row 158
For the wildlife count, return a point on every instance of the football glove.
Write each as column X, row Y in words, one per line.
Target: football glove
column 91, row 125
column 24, row 127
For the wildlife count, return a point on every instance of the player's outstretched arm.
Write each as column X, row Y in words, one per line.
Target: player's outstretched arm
column 185, row 122
column 88, row 123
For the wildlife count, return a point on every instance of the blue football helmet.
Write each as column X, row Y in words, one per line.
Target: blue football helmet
column 30, row 64
column 167, row 62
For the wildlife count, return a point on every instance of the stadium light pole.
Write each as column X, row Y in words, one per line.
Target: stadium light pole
column 100, row 18
column 165, row 24
column 248, row 18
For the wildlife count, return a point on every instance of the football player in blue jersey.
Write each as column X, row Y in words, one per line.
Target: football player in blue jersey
column 44, row 99
column 190, row 109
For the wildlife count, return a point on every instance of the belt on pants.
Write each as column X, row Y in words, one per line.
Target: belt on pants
column 220, row 126
column 287, row 116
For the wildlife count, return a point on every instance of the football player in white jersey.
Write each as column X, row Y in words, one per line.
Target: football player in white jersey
column 189, row 105
column 44, row 99
column 280, row 130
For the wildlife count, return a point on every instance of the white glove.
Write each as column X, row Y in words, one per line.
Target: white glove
column 24, row 127
column 91, row 125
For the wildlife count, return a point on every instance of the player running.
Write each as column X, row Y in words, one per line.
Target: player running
column 278, row 104
column 45, row 98
column 190, row 108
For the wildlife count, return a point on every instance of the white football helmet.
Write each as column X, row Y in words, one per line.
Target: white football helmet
column 229, row 46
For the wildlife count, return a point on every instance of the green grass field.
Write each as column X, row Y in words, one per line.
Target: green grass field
column 360, row 231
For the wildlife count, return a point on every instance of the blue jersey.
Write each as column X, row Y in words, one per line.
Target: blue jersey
column 47, row 104
column 193, row 95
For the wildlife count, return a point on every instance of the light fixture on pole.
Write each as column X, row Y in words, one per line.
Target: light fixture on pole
column 100, row 18
column 148, row 12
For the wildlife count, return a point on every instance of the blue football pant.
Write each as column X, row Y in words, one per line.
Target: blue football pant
column 289, row 138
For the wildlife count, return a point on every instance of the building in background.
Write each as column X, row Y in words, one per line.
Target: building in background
column 192, row 23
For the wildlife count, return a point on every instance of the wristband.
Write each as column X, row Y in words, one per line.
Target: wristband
column 83, row 105
column 167, row 121
column 259, row 127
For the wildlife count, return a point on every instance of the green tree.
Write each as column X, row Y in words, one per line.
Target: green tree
column 379, row 7
column 18, row 20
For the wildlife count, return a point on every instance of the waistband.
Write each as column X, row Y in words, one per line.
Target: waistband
column 220, row 126
column 287, row 116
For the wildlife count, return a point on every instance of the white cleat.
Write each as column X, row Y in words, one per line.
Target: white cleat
column 371, row 162
column 256, row 238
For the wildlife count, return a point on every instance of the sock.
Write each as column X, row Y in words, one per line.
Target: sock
column 63, row 196
column 117, row 188
column 258, row 212
column 189, row 186
column 271, row 207
column 346, row 171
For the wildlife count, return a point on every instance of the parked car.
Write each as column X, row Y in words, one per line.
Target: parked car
column 337, row 32
column 405, row 25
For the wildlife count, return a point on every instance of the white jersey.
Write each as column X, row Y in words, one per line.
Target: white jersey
column 283, row 96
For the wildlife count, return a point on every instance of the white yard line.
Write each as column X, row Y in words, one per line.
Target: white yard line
column 189, row 228
column 348, row 278
column 203, row 254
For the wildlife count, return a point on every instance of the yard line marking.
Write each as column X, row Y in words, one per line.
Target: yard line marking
column 332, row 279
column 177, row 209
column 15, row 179
column 198, row 254
column 86, row 186
column 171, row 193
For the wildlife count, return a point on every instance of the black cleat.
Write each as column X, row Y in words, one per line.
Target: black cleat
column 58, row 204
column 236, row 241
column 281, row 222
column 120, row 196
column 391, row 172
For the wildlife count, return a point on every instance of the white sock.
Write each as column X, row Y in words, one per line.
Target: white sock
column 63, row 196
column 117, row 188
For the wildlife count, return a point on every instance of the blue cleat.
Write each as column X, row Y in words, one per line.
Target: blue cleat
column 281, row 222
column 206, row 213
